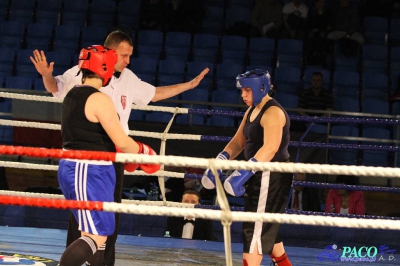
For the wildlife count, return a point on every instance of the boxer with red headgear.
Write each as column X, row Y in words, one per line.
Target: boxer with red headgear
column 99, row 60
column 125, row 89
column 89, row 121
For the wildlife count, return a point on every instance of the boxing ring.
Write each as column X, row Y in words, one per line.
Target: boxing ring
column 223, row 212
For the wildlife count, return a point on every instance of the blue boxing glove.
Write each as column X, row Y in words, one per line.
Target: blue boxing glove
column 208, row 179
column 234, row 183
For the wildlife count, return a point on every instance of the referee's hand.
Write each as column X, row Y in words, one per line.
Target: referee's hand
column 39, row 61
column 196, row 81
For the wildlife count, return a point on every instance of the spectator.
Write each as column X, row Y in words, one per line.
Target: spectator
column 152, row 15
column 376, row 8
column 345, row 26
column 174, row 187
column 207, row 196
column 3, row 179
column 185, row 15
column 317, row 28
column 266, row 19
column 304, row 198
column 345, row 201
column 190, row 227
column 318, row 19
column 395, row 9
column 294, row 17
column 316, row 97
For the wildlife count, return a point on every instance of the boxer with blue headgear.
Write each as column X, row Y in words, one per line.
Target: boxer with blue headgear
column 263, row 136
column 258, row 80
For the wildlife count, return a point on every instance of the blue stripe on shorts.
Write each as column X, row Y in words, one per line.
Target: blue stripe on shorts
column 89, row 182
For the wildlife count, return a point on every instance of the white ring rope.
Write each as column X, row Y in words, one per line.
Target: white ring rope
column 261, row 166
column 35, row 166
column 19, row 96
column 125, row 201
column 5, row 122
column 157, row 208
column 155, row 135
column 254, row 217
column 386, row 172
column 174, row 110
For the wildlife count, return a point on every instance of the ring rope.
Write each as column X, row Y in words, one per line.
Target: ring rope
column 198, row 206
column 161, row 182
column 386, row 121
column 203, row 163
column 174, row 136
column 21, row 165
column 202, row 213
column 354, row 216
column 346, row 187
column 226, row 215
column 126, row 201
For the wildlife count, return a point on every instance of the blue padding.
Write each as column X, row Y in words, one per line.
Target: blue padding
column 236, row 231
column 126, row 224
column 12, row 215
column 47, row 218
column 148, row 225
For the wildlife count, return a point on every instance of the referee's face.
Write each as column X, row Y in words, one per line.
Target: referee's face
column 190, row 198
column 124, row 51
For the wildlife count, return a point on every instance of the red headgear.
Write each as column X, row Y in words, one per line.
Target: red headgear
column 99, row 60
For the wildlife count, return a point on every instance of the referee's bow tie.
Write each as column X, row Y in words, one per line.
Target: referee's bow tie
column 188, row 221
column 117, row 74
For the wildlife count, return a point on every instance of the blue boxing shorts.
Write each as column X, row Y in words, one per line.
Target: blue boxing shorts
column 86, row 180
column 265, row 192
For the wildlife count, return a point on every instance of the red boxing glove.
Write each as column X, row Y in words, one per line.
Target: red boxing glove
column 148, row 168
column 130, row 167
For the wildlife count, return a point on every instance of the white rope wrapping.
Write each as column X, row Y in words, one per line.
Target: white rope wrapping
column 155, row 135
column 254, row 217
column 226, row 216
column 173, row 110
column 34, row 166
column 28, row 166
column 30, row 97
column 260, row 166
column 128, row 202
column 27, row 97
column 161, row 135
column 175, row 209
column 5, row 122
column 204, row 163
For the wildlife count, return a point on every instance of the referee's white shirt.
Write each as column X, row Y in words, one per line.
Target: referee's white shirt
column 188, row 228
column 124, row 91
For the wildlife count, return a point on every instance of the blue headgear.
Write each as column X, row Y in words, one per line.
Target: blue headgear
column 258, row 80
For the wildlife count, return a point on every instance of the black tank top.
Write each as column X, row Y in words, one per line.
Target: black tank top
column 77, row 131
column 254, row 134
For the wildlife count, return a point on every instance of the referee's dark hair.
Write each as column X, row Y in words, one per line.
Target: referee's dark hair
column 115, row 38
column 193, row 192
